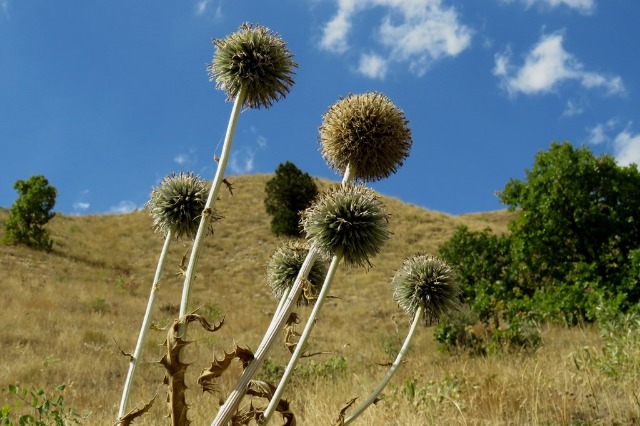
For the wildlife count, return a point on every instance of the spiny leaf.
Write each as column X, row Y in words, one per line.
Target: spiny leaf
column 128, row 418
column 340, row 420
column 207, row 379
column 176, row 369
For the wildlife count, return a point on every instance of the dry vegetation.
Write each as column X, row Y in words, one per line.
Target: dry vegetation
column 65, row 316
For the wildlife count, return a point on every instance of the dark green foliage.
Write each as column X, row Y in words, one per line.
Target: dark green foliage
column 30, row 212
column 578, row 226
column 288, row 193
column 44, row 409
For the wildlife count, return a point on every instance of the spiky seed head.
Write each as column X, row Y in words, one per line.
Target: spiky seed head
column 256, row 58
column 350, row 220
column 368, row 132
column 283, row 268
column 178, row 203
column 426, row 281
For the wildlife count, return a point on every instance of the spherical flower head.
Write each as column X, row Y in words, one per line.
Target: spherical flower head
column 283, row 268
column 428, row 282
column 367, row 132
column 177, row 205
column 349, row 220
column 254, row 58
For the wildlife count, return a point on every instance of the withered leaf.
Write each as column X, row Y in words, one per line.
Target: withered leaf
column 128, row 418
column 340, row 420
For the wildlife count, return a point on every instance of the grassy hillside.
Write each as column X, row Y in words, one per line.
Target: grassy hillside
column 66, row 315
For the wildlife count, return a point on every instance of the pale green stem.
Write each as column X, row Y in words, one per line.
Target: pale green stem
column 348, row 176
column 142, row 337
column 185, row 302
column 390, row 373
column 300, row 347
column 280, row 317
column 233, row 400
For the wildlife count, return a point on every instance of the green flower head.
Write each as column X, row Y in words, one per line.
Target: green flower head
column 428, row 282
column 254, row 58
column 178, row 203
column 367, row 132
column 283, row 268
column 349, row 220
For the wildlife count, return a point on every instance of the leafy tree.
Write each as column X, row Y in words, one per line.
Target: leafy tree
column 30, row 212
column 578, row 226
column 288, row 192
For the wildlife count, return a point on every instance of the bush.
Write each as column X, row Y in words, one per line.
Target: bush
column 30, row 212
column 288, row 192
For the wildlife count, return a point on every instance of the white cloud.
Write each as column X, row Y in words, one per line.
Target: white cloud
column 123, row 207
column 242, row 161
column 4, row 5
column 81, row 206
column 414, row 32
column 546, row 67
column 372, row 66
column 624, row 143
column 201, row 6
column 572, row 109
column 583, row 6
column 627, row 148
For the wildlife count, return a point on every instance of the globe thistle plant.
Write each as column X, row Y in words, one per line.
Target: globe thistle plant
column 427, row 282
column 177, row 205
column 256, row 59
column 283, row 268
column 366, row 132
column 425, row 288
column 349, row 220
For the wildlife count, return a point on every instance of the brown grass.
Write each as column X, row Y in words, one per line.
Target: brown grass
column 65, row 316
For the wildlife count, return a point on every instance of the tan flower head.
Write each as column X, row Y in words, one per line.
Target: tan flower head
column 426, row 281
column 367, row 132
column 178, row 203
column 350, row 220
column 257, row 59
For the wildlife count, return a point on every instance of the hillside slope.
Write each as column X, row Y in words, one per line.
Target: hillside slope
column 67, row 314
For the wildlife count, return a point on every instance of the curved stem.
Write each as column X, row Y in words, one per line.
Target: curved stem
column 275, row 399
column 228, row 408
column 403, row 351
column 142, row 337
column 185, row 302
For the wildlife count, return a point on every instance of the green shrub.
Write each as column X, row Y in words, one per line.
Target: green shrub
column 42, row 409
column 30, row 212
column 287, row 193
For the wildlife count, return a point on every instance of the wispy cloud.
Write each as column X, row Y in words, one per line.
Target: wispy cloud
column 546, row 67
column 586, row 7
column 416, row 33
column 372, row 65
column 203, row 6
column 572, row 109
column 624, row 143
column 185, row 158
column 81, row 204
column 123, row 207
column 242, row 161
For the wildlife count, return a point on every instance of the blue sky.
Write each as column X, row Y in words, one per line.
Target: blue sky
column 107, row 98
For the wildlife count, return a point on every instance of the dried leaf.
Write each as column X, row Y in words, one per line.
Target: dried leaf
column 207, row 379
column 340, row 420
column 128, row 418
column 176, row 369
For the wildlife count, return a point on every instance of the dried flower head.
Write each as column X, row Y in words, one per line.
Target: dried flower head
column 426, row 281
column 254, row 58
column 367, row 132
column 349, row 220
column 283, row 268
column 178, row 203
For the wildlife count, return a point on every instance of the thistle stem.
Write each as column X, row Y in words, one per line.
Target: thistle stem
column 228, row 408
column 142, row 337
column 403, row 351
column 275, row 399
column 185, row 302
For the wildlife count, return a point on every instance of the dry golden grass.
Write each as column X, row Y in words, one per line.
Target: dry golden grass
column 65, row 316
